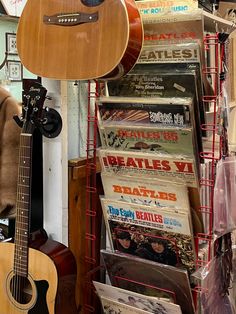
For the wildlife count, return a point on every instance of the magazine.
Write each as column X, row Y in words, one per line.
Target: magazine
column 158, row 234
column 149, row 278
column 159, row 166
column 146, row 192
column 174, row 141
column 136, row 300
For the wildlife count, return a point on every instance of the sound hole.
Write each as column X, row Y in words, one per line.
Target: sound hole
column 92, row 3
column 21, row 289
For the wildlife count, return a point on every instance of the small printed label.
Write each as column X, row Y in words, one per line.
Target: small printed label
column 179, row 87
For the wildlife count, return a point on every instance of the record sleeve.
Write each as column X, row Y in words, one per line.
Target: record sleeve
column 159, row 234
column 146, row 192
column 175, row 53
column 157, row 32
column 158, row 79
column 176, row 112
column 158, row 166
column 136, row 300
column 167, row 79
column 145, row 277
column 173, row 141
column 110, row 306
column 160, row 8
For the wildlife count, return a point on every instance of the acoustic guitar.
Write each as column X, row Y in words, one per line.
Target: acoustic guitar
column 37, row 275
column 79, row 39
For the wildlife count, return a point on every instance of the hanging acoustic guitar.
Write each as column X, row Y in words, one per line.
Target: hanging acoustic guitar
column 37, row 277
column 79, row 39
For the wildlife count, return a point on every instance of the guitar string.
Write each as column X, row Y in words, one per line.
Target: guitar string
column 17, row 279
column 20, row 244
column 24, row 214
column 19, row 227
column 15, row 274
column 17, row 222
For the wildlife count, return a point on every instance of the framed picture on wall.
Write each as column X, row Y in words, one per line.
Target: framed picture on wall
column 11, row 44
column 14, row 69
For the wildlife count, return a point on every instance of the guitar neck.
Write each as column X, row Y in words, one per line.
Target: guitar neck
column 23, row 205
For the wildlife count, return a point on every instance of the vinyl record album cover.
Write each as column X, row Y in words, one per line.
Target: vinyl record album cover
column 159, row 234
column 148, row 191
column 146, row 277
column 176, row 112
column 159, row 166
column 174, row 141
column 114, row 307
column 136, row 300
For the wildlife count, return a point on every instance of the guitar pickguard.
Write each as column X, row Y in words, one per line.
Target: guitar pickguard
column 40, row 306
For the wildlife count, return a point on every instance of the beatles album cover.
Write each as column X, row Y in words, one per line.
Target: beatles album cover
column 148, row 191
column 165, row 140
column 147, row 277
column 136, row 300
column 159, row 234
column 153, row 78
column 159, row 166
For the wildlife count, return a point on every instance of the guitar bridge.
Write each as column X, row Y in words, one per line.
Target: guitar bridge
column 70, row 19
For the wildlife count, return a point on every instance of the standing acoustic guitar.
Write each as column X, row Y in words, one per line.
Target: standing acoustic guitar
column 79, row 39
column 37, row 277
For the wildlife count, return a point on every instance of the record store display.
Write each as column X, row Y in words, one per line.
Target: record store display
column 144, row 170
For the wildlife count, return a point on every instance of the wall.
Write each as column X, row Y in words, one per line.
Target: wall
column 14, row 87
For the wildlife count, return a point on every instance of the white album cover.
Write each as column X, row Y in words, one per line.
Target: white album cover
column 137, row 300
column 148, row 191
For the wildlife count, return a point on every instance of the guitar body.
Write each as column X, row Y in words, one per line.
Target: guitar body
column 71, row 40
column 51, row 280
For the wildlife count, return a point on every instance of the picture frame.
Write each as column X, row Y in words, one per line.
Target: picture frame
column 14, row 69
column 11, row 47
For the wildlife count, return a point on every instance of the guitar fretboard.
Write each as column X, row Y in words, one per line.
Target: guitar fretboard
column 23, row 205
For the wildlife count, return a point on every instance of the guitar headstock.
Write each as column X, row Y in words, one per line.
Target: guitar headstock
column 33, row 100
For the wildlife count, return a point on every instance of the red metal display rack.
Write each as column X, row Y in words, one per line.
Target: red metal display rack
column 213, row 154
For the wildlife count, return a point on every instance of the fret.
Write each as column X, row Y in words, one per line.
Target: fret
column 24, row 218
column 21, row 231
column 22, row 185
column 22, row 223
column 21, row 261
column 24, row 146
column 21, row 250
column 21, row 273
column 23, row 198
column 21, row 241
column 23, row 194
column 21, row 236
column 23, row 202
